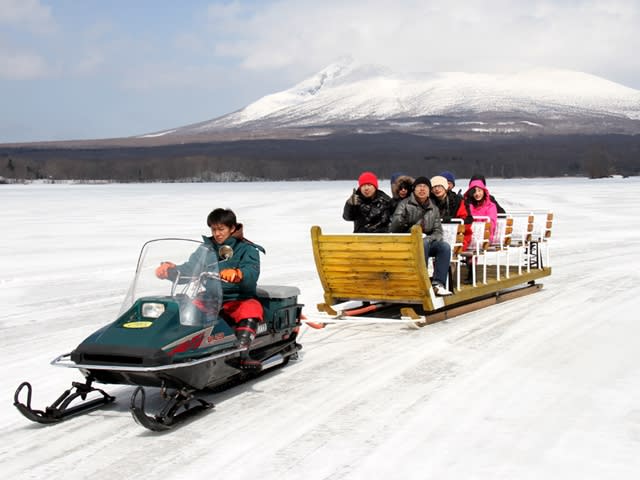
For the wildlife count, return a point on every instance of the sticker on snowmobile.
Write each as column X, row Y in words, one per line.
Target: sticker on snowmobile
column 144, row 324
column 215, row 338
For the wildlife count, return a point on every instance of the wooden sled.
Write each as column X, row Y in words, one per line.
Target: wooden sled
column 383, row 278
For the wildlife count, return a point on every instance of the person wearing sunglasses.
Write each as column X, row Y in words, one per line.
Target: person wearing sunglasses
column 400, row 189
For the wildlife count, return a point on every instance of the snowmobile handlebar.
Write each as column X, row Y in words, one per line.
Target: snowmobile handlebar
column 212, row 276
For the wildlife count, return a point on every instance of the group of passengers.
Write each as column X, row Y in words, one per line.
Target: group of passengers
column 425, row 202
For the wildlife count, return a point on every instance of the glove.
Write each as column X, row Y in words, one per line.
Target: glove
column 162, row 272
column 354, row 199
column 231, row 275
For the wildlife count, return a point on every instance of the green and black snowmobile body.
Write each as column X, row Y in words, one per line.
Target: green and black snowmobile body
column 169, row 335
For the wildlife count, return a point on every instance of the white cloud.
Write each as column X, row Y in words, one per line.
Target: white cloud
column 436, row 35
column 162, row 76
column 27, row 14
column 89, row 63
column 222, row 14
column 21, row 65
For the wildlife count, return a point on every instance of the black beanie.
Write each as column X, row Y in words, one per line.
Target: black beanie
column 420, row 180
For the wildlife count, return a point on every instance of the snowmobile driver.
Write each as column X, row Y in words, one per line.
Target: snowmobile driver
column 239, row 278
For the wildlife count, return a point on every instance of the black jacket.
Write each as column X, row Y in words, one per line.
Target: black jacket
column 449, row 206
column 369, row 215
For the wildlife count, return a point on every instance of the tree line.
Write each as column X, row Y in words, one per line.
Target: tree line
column 334, row 158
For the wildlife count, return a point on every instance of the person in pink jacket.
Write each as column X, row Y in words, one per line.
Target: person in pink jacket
column 479, row 204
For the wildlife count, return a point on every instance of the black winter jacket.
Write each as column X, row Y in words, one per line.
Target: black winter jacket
column 369, row 215
column 448, row 206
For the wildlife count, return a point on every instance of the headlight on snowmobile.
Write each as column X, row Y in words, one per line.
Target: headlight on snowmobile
column 152, row 310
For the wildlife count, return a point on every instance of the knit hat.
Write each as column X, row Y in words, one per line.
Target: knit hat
column 423, row 180
column 368, row 177
column 439, row 180
column 478, row 177
column 450, row 178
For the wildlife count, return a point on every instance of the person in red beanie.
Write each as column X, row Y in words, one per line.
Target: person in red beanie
column 368, row 208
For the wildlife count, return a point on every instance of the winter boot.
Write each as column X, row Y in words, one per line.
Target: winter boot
column 469, row 278
column 246, row 332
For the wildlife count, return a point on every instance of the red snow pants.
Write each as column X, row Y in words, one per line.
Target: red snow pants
column 237, row 310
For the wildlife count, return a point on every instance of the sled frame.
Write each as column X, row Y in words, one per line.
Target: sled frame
column 391, row 268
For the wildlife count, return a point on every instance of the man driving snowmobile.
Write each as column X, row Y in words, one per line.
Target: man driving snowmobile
column 239, row 278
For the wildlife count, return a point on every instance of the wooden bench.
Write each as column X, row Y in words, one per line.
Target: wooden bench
column 542, row 227
column 453, row 234
column 530, row 227
column 480, row 243
column 501, row 242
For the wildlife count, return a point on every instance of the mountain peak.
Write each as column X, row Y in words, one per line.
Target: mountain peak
column 344, row 70
column 349, row 93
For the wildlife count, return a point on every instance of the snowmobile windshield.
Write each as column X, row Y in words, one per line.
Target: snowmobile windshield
column 189, row 277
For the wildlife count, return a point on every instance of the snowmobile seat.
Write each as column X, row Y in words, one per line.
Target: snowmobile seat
column 280, row 304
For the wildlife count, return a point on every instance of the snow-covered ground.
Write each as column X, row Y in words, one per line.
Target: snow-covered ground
column 545, row 386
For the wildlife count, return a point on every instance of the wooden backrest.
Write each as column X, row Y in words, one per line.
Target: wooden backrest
column 542, row 225
column 450, row 231
column 481, row 234
column 387, row 267
column 529, row 231
column 522, row 229
column 453, row 234
column 458, row 246
column 548, row 226
column 503, row 233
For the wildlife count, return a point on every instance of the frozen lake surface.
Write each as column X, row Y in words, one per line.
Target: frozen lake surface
column 545, row 386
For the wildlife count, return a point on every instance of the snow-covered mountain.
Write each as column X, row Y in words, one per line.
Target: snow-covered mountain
column 347, row 96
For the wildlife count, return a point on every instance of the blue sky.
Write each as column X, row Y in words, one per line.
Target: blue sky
column 98, row 69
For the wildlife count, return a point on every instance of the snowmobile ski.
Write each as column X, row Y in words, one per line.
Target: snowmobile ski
column 60, row 409
column 167, row 418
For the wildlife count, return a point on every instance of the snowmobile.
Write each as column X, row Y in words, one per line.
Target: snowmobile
column 169, row 335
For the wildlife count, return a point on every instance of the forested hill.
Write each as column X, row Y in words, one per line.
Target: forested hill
column 334, row 157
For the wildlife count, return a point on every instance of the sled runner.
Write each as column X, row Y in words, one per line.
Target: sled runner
column 169, row 335
column 383, row 278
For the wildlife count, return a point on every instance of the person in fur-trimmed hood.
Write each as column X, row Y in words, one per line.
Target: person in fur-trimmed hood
column 400, row 189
